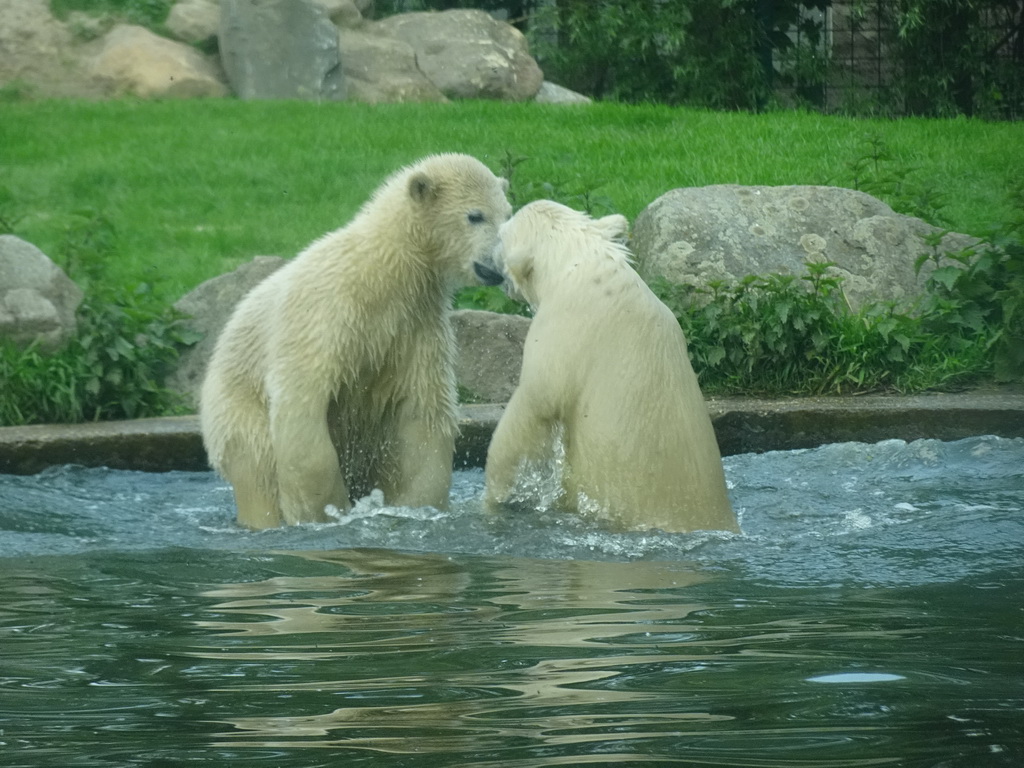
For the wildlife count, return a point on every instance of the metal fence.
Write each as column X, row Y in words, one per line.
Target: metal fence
column 870, row 67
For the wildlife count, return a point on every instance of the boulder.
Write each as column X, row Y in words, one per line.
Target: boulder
column 280, row 49
column 550, row 93
column 39, row 52
column 194, row 21
column 468, row 54
column 133, row 60
column 345, row 14
column 725, row 232
column 490, row 353
column 382, row 69
column 37, row 300
column 208, row 306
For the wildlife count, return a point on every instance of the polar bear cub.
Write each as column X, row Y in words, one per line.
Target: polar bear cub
column 335, row 375
column 605, row 374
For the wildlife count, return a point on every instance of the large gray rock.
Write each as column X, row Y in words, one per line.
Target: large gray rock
column 37, row 300
column 280, row 49
column 209, row 305
column 197, row 21
column 382, row 69
column 135, row 61
column 696, row 235
column 490, row 353
column 468, row 54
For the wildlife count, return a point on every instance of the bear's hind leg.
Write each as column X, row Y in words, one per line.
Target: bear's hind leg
column 255, row 498
column 423, row 466
column 256, row 508
column 308, row 468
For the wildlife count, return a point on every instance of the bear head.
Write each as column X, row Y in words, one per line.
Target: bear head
column 457, row 205
column 546, row 239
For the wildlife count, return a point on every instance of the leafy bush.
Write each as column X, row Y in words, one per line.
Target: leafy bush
column 702, row 53
column 113, row 368
column 125, row 345
column 979, row 299
column 781, row 335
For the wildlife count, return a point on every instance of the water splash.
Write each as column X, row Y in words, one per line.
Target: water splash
column 872, row 514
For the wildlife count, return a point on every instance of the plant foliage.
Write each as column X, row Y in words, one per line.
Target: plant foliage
column 125, row 345
column 959, row 57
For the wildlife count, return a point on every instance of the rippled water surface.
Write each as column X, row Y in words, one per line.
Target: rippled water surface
column 871, row 613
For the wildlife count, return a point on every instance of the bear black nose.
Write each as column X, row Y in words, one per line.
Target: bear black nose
column 487, row 275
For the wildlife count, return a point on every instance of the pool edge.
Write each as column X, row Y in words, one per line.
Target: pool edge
column 742, row 425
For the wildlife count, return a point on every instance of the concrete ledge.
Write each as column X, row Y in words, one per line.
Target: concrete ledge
column 743, row 425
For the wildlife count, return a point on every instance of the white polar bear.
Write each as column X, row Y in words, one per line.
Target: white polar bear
column 605, row 371
column 335, row 375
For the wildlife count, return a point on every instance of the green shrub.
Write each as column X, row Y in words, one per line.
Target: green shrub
column 125, row 345
column 979, row 299
column 115, row 366
column 780, row 335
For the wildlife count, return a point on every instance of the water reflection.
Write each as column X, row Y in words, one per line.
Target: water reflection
column 528, row 663
column 371, row 657
column 437, row 657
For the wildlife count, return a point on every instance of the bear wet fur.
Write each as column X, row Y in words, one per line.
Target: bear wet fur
column 605, row 372
column 335, row 375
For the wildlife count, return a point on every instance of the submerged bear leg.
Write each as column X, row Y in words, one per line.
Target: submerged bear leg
column 308, row 469
column 257, row 507
column 423, row 462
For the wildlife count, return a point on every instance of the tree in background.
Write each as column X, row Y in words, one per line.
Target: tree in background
column 721, row 54
column 960, row 56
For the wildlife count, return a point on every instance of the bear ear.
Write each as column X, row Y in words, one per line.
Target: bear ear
column 521, row 272
column 614, row 227
column 504, row 184
column 422, row 188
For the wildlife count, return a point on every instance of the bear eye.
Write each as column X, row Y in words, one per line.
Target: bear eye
column 476, row 217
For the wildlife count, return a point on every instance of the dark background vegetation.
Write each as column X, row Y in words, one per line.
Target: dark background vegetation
column 909, row 57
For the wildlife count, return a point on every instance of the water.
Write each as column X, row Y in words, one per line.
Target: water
column 870, row 614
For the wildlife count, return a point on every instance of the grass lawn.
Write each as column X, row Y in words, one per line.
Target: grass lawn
column 184, row 191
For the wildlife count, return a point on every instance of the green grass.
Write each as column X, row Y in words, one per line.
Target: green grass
column 189, row 190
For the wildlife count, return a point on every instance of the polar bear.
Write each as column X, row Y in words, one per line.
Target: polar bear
column 335, row 375
column 606, row 379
